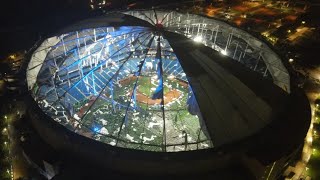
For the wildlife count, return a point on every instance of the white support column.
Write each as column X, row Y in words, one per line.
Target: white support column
column 226, row 47
column 255, row 67
column 93, row 84
column 265, row 72
column 206, row 33
column 234, row 54
column 229, row 40
column 240, row 56
column 202, row 28
column 64, row 47
column 95, row 37
column 198, row 29
column 231, row 36
column 78, row 44
column 215, row 37
column 69, row 84
column 211, row 34
column 54, row 60
column 245, row 51
column 79, row 56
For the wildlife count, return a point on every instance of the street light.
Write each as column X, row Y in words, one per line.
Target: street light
column 291, row 60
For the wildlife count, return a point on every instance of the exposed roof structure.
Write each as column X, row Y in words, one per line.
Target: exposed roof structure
column 144, row 80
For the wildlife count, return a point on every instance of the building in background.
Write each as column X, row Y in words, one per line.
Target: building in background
column 98, row 4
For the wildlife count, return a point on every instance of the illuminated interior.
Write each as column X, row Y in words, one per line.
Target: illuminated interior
column 122, row 86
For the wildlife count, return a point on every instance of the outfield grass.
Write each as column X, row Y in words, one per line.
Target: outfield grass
column 177, row 116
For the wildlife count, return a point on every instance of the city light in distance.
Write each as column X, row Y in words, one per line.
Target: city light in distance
column 12, row 56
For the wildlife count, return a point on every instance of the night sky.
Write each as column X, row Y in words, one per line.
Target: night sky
column 24, row 21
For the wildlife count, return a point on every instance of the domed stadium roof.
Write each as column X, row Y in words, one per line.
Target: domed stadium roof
column 157, row 81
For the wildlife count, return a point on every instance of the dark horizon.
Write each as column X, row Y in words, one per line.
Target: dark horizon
column 23, row 22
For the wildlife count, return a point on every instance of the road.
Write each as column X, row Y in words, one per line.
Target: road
column 299, row 33
column 12, row 110
column 301, row 167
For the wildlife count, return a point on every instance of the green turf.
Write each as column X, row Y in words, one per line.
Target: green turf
column 181, row 119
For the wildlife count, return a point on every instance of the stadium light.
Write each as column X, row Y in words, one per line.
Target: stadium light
column 96, row 129
column 171, row 76
column 198, row 39
column 224, row 52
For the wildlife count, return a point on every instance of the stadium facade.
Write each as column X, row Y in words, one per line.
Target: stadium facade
column 162, row 91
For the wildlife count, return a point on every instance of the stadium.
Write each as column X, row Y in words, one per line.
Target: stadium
column 161, row 91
